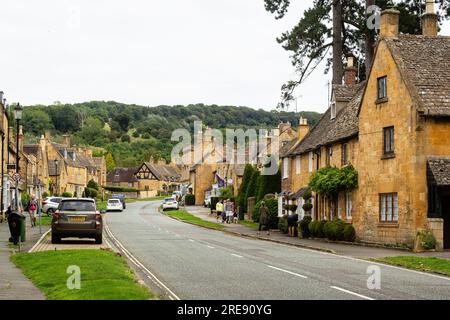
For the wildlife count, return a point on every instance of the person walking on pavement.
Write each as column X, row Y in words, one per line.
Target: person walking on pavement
column 229, row 211
column 219, row 210
column 263, row 218
column 32, row 206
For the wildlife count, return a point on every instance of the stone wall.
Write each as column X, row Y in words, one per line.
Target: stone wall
column 436, row 226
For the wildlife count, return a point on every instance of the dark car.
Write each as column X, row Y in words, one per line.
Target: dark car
column 121, row 197
column 78, row 218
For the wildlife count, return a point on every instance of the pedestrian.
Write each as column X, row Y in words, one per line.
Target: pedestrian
column 219, row 210
column 32, row 206
column 292, row 224
column 235, row 215
column 229, row 210
column 263, row 218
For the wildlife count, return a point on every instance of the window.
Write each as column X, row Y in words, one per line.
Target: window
column 297, row 165
column 310, row 162
column 285, row 168
column 344, row 154
column 382, row 88
column 388, row 136
column 333, row 110
column 348, row 205
column 328, row 156
column 389, row 207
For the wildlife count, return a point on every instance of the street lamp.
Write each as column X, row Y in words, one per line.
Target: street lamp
column 56, row 174
column 18, row 116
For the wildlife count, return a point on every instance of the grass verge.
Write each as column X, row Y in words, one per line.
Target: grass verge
column 104, row 275
column 249, row 224
column 428, row 264
column 186, row 216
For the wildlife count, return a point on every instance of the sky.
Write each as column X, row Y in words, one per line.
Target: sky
column 151, row 52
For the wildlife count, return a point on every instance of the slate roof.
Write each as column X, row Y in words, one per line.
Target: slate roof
column 328, row 131
column 299, row 193
column 439, row 170
column 31, row 149
column 122, row 175
column 163, row 172
column 344, row 93
column 52, row 168
column 424, row 62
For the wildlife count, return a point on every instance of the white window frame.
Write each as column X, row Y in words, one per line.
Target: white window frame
column 349, row 205
column 285, row 168
column 310, row 161
column 333, row 110
column 298, row 165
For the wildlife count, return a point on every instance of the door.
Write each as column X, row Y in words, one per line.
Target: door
column 445, row 200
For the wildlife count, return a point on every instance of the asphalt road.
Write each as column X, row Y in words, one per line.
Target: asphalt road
column 197, row 263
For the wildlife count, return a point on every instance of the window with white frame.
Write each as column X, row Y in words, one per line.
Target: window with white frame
column 333, row 110
column 285, row 168
column 310, row 162
column 389, row 207
column 348, row 205
column 297, row 165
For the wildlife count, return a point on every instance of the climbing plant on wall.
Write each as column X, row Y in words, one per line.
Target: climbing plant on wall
column 329, row 181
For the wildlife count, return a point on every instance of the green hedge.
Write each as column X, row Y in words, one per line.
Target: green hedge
column 189, row 200
column 272, row 204
column 303, row 226
column 336, row 230
column 120, row 189
column 283, row 224
column 67, row 195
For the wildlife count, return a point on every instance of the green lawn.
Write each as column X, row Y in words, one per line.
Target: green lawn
column 250, row 224
column 45, row 220
column 153, row 198
column 428, row 264
column 104, row 275
column 186, row 216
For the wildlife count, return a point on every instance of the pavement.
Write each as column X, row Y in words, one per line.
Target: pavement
column 13, row 284
column 191, row 262
column 352, row 250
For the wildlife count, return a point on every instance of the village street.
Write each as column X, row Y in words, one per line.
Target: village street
column 191, row 262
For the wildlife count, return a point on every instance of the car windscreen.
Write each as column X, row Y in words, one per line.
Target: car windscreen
column 77, row 205
column 114, row 201
column 169, row 200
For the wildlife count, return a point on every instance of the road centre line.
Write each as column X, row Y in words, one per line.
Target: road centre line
column 289, row 272
column 352, row 293
column 236, row 255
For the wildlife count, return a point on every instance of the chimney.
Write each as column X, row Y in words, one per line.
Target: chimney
column 389, row 23
column 429, row 20
column 66, row 140
column 303, row 128
column 350, row 72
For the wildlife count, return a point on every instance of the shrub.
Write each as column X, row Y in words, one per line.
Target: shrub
column 67, row 195
column 93, row 185
column 307, row 195
column 90, row 193
column 135, row 134
column 122, row 189
column 320, row 229
column 25, row 198
column 146, row 136
column 349, row 233
column 427, row 239
column 283, row 224
column 226, row 193
column 334, row 229
column 242, row 192
column 313, row 228
column 214, row 201
column 189, row 200
column 304, row 227
column 290, row 207
column 125, row 138
column 307, row 207
column 45, row 195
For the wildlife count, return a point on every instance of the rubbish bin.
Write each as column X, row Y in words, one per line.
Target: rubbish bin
column 16, row 223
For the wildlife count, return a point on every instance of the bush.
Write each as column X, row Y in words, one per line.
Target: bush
column 272, row 204
column 242, row 200
column 307, row 207
column 121, row 189
column 283, row 224
column 214, row 201
column 45, row 195
column 349, row 233
column 307, row 195
column 90, row 193
column 320, row 229
column 304, row 227
column 93, row 185
column 189, row 200
column 290, row 207
column 334, row 229
column 67, row 195
column 25, row 198
column 313, row 228
column 125, row 138
column 427, row 239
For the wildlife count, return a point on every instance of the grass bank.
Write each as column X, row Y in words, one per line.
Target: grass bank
column 428, row 264
column 250, row 224
column 104, row 275
column 186, row 216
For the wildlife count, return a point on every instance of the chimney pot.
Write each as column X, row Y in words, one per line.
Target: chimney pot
column 389, row 23
column 350, row 72
column 429, row 20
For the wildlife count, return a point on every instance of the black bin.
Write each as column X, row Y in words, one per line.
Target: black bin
column 15, row 222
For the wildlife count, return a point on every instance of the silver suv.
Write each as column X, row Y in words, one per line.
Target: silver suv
column 50, row 204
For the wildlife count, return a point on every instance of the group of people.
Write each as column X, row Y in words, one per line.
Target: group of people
column 31, row 207
column 226, row 210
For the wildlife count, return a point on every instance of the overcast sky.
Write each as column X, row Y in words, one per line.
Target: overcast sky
column 150, row 52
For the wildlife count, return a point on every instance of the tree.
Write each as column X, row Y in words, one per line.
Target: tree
column 65, row 118
column 92, row 130
column 110, row 162
column 253, row 184
column 268, row 184
column 123, row 120
column 36, row 121
column 241, row 198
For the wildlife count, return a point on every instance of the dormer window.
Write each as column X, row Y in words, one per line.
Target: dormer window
column 382, row 88
column 333, row 110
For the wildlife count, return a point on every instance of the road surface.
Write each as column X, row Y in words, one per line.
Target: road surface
column 191, row 262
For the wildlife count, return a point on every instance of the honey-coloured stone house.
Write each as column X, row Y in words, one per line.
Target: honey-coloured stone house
column 400, row 145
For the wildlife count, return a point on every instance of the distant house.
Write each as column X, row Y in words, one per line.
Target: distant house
column 122, row 177
column 158, row 176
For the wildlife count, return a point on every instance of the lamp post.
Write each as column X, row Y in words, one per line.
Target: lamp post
column 18, row 110
column 56, row 174
column 3, row 102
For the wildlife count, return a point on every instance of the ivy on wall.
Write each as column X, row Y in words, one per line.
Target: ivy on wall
column 329, row 181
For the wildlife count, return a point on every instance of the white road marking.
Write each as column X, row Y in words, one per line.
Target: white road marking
column 351, row 292
column 289, row 272
column 140, row 265
column 236, row 255
column 39, row 241
column 191, row 240
column 211, row 247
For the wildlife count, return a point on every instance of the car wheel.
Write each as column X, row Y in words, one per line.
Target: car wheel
column 98, row 239
column 50, row 212
column 56, row 239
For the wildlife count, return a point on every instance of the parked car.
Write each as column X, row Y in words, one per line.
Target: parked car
column 170, row 203
column 50, row 204
column 114, row 205
column 121, row 197
column 77, row 218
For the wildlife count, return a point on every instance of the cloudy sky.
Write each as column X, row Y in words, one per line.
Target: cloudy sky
column 149, row 52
